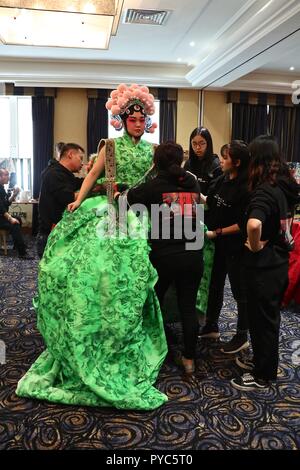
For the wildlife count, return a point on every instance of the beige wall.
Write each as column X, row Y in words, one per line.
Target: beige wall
column 187, row 115
column 217, row 118
column 70, row 116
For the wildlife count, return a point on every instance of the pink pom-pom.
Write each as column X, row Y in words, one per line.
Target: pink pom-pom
column 151, row 130
column 138, row 93
column 116, row 124
column 154, row 125
column 122, row 87
column 121, row 102
column 109, row 104
column 115, row 109
column 114, row 94
column 151, row 97
column 144, row 97
column 145, row 89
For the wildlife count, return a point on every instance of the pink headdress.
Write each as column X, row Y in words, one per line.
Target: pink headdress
column 123, row 97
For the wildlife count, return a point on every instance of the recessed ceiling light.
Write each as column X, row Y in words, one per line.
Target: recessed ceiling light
column 292, row 68
column 192, row 43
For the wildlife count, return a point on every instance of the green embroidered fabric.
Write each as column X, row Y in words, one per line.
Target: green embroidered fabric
column 97, row 310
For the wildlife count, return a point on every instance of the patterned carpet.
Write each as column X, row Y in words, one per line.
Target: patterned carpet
column 206, row 413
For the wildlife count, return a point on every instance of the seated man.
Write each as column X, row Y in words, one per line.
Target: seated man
column 7, row 222
column 58, row 190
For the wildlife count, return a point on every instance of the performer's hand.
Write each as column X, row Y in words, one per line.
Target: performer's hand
column 73, row 206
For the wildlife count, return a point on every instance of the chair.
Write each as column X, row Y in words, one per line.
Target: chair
column 3, row 240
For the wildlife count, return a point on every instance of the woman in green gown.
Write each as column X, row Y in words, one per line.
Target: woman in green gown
column 96, row 306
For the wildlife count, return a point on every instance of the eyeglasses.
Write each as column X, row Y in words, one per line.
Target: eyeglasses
column 199, row 144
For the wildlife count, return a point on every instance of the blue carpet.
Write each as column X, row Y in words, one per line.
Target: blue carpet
column 205, row 413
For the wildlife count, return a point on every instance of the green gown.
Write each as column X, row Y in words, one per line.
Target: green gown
column 97, row 310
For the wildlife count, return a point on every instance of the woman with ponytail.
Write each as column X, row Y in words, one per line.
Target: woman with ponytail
column 173, row 198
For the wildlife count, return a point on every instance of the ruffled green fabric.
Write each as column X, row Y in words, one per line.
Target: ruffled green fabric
column 203, row 291
column 97, row 310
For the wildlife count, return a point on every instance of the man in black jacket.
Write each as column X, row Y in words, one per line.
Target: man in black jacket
column 58, row 189
column 7, row 222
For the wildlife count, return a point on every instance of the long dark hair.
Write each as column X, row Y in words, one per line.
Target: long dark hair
column 169, row 157
column 239, row 152
column 266, row 164
column 209, row 149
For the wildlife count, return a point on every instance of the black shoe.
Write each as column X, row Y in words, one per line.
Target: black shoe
column 26, row 256
column 245, row 364
column 248, row 382
column 210, row 330
column 236, row 344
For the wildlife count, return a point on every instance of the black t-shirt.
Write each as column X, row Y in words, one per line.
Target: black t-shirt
column 264, row 206
column 226, row 201
column 172, row 197
column 206, row 169
column 57, row 191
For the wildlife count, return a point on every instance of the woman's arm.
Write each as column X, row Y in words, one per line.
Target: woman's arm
column 254, row 228
column 230, row 230
column 89, row 180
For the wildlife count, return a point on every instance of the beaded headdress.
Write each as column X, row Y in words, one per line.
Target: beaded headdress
column 126, row 99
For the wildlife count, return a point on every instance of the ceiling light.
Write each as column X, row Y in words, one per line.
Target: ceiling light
column 192, row 43
column 56, row 22
column 292, row 68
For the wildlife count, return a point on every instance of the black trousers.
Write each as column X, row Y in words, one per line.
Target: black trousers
column 227, row 263
column 265, row 290
column 41, row 242
column 185, row 270
column 15, row 232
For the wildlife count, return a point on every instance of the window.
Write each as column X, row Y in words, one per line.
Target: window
column 16, row 139
column 154, row 138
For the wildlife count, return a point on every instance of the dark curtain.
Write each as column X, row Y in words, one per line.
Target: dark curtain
column 248, row 121
column 167, row 116
column 97, row 121
column 43, row 124
column 284, row 124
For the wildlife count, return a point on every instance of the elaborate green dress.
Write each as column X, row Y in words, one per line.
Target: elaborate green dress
column 97, row 310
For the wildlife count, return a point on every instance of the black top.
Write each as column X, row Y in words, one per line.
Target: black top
column 4, row 201
column 57, row 191
column 206, row 169
column 267, row 205
column 227, row 200
column 171, row 195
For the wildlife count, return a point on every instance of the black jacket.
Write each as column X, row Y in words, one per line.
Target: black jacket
column 57, row 191
column 168, row 193
column 206, row 169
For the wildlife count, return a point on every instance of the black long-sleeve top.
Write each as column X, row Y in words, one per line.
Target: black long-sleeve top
column 206, row 169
